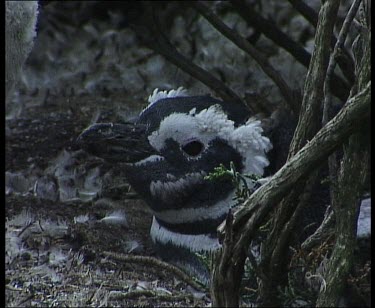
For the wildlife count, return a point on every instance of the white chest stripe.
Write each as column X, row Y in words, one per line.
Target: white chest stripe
column 196, row 243
column 188, row 215
column 164, row 190
column 150, row 159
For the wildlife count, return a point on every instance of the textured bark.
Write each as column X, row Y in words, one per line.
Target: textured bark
column 230, row 260
column 275, row 253
column 313, row 90
column 225, row 282
column 309, row 149
column 356, row 111
column 347, row 197
column 351, row 180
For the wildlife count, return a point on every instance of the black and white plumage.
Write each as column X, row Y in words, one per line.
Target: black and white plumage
column 176, row 142
column 191, row 143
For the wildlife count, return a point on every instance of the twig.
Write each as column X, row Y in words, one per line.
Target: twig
column 92, row 298
column 29, row 224
column 149, row 293
column 271, row 31
column 283, row 235
column 228, row 243
column 332, row 61
column 325, row 230
column 291, row 97
column 156, row 263
column 327, row 106
column 11, row 288
column 306, row 11
column 154, row 38
column 345, row 61
column 23, row 301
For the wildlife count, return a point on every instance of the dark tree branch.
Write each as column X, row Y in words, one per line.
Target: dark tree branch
column 152, row 35
column 154, row 262
column 224, row 294
column 308, row 122
column 275, row 253
column 290, row 96
column 306, row 11
column 275, row 258
column 327, row 106
column 322, row 233
column 271, row 31
column 345, row 61
column 351, row 178
column 333, row 59
column 250, row 216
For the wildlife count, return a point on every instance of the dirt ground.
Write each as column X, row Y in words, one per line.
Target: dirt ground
column 56, row 251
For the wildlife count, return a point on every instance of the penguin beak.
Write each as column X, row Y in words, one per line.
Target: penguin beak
column 125, row 143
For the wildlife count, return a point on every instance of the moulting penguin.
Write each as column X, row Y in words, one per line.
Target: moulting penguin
column 174, row 144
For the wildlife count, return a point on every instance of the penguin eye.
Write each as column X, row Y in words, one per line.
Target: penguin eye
column 193, row 148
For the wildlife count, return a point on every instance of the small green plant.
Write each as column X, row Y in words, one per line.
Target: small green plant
column 240, row 181
column 206, row 258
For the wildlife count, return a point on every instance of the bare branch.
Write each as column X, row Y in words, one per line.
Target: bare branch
column 306, row 11
column 327, row 106
column 325, row 229
column 153, row 37
column 332, row 61
column 289, row 95
column 355, row 111
column 308, row 122
column 345, row 61
column 250, row 216
column 351, row 179
column 151, row 294
column 271, row 31
column 150, row 261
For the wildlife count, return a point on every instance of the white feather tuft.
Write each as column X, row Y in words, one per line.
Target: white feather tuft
column 23, row 219
column 158, row 95
column 133, row 246
column 81, row 219
column 57, row 257
column 116, row 217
